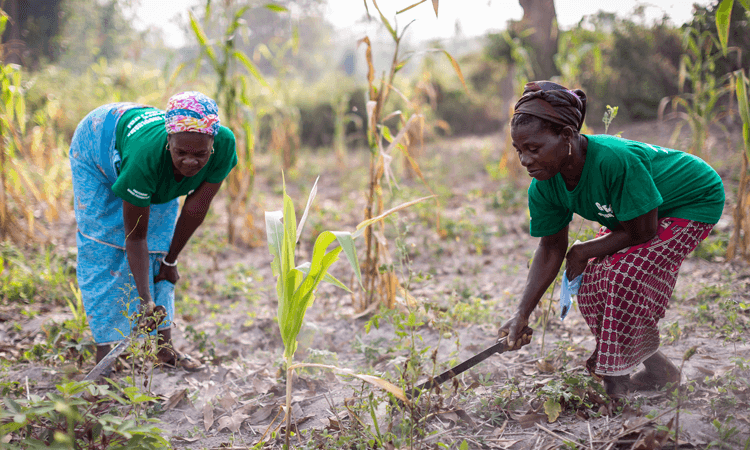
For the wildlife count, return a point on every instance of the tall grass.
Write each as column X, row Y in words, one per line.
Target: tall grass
column 739, row 244
column 381, row 284
column 34, row 181
column 699, row 106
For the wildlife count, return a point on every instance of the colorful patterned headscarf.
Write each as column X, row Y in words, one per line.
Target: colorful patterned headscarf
column 192, row 111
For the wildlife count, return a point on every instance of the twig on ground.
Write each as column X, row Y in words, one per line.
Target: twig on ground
column 546, row 430
column 611, row 443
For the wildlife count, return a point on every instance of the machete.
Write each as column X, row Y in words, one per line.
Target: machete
column 159, row 314
column 499, row 347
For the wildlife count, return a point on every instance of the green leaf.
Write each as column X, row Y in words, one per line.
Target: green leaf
column 464, row 445
column 746, row 4
column 328, row 278
column 242, row 57
column 275, row 8
column 387, row 24
column 552, row 408
column 290, row 235
column 3, row 21
column 743, row 97
column 346, row 241
column 723, row 17
column 387, row 133
column 236, row 21
column 203, row 41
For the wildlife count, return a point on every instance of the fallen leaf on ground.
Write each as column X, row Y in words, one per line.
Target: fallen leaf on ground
column 185, row 439
column 529, row 420
column 208, row 416
column 262, row 414
column 232, row 422
column 228, row 401
column 175, row 399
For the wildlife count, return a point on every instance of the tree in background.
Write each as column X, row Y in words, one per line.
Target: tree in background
column 32, row 28
column 540, row 21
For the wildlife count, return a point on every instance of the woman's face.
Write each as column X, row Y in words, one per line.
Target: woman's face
column 541, row 151
column 190, row 151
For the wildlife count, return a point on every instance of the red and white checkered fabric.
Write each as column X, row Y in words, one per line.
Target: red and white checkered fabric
column 623, row 296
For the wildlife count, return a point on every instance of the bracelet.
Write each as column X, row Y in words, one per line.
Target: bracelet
column 164, row 261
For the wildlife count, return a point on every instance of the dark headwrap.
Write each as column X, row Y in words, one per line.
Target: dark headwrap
column 553, row 103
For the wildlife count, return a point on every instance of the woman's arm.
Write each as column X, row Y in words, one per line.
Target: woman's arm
column 193, row 212
column 633, row 232
column 136, row 249
column 547, row 260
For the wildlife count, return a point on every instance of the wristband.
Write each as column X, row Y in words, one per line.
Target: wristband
column 164, row 261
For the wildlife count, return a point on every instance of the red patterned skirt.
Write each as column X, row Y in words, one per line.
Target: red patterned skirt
column 624, row 295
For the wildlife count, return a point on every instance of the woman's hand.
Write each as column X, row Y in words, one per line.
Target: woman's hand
column 575, row 261
column 517, row 330
column 168, row 273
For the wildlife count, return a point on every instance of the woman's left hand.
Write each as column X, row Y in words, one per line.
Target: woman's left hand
column 167, row 273
column 575, row 261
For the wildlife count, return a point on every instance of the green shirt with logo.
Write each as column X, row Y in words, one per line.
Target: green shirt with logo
column 145, row 173
column 624, row 179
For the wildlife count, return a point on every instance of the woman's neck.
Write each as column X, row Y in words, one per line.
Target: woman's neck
column 573, row 168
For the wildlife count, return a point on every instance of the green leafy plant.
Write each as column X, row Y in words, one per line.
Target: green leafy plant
column 296, row 284
column 609, row 116
column 80, row 415
column 571, row 392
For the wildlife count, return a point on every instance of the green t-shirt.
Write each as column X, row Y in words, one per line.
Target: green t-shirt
column 146, row 176
column 624, row 179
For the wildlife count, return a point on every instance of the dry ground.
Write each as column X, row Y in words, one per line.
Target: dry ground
column 466, row 280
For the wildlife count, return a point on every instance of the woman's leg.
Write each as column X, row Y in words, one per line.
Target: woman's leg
column 623, row 297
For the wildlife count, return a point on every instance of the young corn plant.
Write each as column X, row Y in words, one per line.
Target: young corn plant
column 381, row 285
column 701, row 107
column 232, row 95
column 296, row 284
column 739, row 244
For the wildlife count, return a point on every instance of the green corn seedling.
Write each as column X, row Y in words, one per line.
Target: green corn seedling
column 296, row 284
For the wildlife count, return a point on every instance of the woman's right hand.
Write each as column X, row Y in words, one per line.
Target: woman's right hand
column 517, row 330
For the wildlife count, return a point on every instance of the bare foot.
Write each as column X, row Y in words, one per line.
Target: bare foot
column 659, row 373
column 616, row 386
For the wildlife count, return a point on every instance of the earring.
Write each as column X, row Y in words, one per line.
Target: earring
column 570, row 149
column 212, row 150
column 166, row 147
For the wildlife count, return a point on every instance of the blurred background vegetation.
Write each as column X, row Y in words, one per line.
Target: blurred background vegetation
column 290, row 82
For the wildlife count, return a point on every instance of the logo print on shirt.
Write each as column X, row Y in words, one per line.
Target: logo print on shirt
column 606, row 210
column 138, row 194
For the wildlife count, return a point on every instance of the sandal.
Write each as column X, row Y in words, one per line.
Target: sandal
column 183, row 361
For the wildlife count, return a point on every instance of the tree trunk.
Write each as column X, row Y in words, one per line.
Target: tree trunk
column 13, row 45
column 539, row 16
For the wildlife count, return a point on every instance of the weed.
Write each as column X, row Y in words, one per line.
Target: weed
column 726, row 432
column 673, row 332
column 713, row 248
column 573, row 392
column 65, row 419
